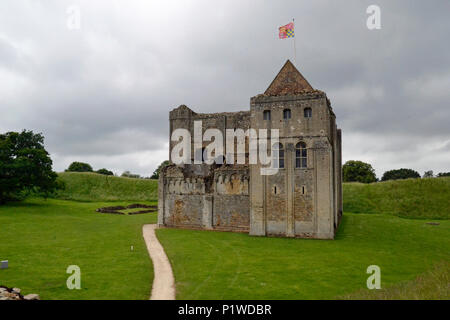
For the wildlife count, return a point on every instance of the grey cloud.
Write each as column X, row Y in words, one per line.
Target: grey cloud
column 103, row 93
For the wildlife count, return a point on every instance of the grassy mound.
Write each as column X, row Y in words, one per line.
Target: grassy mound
column 97, row 187
column 411, row 198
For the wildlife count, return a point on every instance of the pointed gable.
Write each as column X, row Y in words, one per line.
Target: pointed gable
column 288, row 81
column 181, row 112
column 183, row 108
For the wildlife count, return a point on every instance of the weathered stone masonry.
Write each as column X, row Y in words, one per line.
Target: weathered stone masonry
column 304, row 199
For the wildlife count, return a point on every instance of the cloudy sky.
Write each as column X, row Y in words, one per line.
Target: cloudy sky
column 101, row 93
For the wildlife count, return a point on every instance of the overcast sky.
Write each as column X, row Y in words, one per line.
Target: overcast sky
column 102, row 93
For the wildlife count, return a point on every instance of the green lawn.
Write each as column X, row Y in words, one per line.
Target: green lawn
column 433, row 284
column 221, row 265
column 42, row 238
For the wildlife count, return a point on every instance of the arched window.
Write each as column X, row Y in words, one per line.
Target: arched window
column 307, row 112
column 278, row 156
column 301, row 155
column 286, row 114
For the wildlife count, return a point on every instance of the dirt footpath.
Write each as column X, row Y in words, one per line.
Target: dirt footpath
column 163, row 283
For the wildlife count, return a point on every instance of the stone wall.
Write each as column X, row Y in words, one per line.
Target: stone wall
column 231, row 200
column 217, row 199
column 183, row 117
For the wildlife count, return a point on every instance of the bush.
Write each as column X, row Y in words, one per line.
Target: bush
column 358, row 171
column 400, row 174
column 25, row 166
column 79, row 167
column 105, row 172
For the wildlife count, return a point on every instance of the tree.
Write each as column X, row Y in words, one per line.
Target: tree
column 358, row 171
column 443, row 174
column 25, row 166
column 128, row 174
column 105, row 172
column 400, row 174
column 428, row 174
column 155, row 174
column 79, row 167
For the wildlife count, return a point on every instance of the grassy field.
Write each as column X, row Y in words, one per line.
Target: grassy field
column 97, row 187
column 217, row 265
column 434, row 285
column 41, row 238
column 221, row 265
column 412, row 198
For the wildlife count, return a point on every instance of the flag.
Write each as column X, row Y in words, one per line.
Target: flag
column 286, row 31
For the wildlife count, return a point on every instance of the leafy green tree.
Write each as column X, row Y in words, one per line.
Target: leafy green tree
column 128, row 174
column 443, row 174
column 155, row 174
column 105, row 172
column 25, row 166
column 428, row 174
column 400, row 174
column 79, row 167
column 358, row 171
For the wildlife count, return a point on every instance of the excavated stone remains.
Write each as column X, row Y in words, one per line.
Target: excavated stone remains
column 117, row 209
column 14, row 294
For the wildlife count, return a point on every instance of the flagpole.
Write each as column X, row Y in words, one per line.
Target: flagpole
column 295, row 48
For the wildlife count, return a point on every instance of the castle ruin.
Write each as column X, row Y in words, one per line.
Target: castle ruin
column 303, row 199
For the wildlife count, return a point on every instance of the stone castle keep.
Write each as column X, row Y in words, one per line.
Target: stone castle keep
column 304, row 199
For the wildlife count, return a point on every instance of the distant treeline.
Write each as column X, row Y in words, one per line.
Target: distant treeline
column 358, row 171
column 86, row 167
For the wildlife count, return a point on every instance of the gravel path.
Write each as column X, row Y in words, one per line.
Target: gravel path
column 163, row 283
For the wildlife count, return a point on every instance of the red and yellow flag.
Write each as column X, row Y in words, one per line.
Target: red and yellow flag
column 286, row 31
